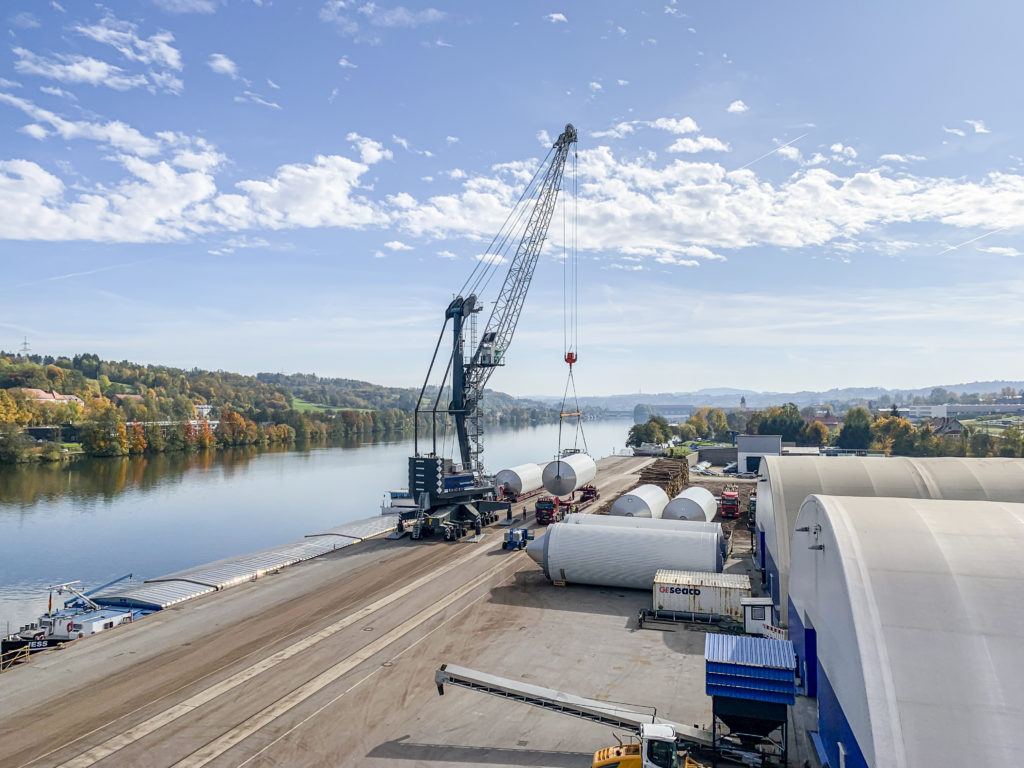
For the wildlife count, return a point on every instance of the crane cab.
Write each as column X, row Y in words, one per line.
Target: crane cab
column 657, row 749
column 489, row 355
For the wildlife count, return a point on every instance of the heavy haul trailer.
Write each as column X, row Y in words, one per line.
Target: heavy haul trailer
column 455, row 500
column 552, row 509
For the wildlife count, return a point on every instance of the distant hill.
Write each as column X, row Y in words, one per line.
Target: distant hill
column 727, row 397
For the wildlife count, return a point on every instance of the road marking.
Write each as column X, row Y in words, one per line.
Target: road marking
column 359, row 682
column 161, row 719
column 267, row 715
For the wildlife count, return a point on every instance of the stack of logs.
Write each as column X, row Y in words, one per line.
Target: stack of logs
column 673, row 475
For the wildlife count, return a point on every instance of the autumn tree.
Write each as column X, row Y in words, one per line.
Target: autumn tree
column 895, row 435
column 782, row 420
column 136, row 438
column 814, row 433
column 106, row 436
column 718, row 422
column 231, row 430
column 856, row 431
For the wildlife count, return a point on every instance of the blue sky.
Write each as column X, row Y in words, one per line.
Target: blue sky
column 772, row 195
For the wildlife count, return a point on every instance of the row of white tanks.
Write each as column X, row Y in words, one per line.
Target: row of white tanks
column 559, row 478
column 650, row 501
column 600, row 550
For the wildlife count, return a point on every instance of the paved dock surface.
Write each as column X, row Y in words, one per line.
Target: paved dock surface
column 331, row 663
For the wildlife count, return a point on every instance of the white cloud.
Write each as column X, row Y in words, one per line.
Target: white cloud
column 399, row 16
column 124, row 37
column 896, row 158
column 59, row 92
column 978, row 126
column 455, row 173
column 255, row 98
column 35, row 130
column 187, row 6
column 674, row 125
column 5, row 83
column 348, row 15
column 544, row 137
column 451, row 140
column 621, row 31
column 222, row 65
column 622, row 82
column 76, row 69
column 370, row 151
column 57, row 6
column 699, row 144
column 999, row 250
column 843, row 154
column 379, row 255
column 595, row 87
column 670, row 124
column 272, row 84
column 344, row 63
column 556, row 18
column 25, row 20
column 954, row 131
column 790, row 153
column 397, row 245
column 491, row 258
column 447, row 255
column 115, row 134
column 737, row 107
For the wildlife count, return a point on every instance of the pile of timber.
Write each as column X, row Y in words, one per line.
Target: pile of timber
column 672, row 475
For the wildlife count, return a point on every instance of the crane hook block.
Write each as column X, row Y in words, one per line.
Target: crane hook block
column 570, row 358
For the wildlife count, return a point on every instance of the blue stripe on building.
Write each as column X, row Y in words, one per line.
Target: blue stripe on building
column 834, row 728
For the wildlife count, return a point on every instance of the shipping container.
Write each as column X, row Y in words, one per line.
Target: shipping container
column 709, row 594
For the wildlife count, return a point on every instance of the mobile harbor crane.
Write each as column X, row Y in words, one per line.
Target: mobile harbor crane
column 659, row 740
column 452, row 500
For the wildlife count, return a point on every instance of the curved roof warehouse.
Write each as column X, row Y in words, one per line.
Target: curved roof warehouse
column 786, row 481
column 906, row 618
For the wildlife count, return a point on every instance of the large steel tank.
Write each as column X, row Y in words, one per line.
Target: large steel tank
column 522, row 479
column 621, row 557
column 695, row 503
column 699, row 526
column 566, row 475
column 645, row 501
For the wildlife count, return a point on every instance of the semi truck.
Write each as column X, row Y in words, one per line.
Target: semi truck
column 730, row 504
column 552, row 509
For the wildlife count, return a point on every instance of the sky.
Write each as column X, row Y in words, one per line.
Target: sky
column 773, row 196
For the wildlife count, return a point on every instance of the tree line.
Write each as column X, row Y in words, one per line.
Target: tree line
column 887, row 433
column 121, row 401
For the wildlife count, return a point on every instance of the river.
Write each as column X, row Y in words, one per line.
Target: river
column 94, row 520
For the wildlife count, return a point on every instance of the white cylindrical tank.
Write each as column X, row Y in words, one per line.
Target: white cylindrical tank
column 695, row 503
column 565, row 475
column 521, row 479
column 579, row 518
column 645, row 501
column 621, row 557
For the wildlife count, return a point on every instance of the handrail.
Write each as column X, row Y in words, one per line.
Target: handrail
column 10, row 658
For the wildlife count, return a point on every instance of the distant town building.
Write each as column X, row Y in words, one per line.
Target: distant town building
column 750, row 449
column 915, row 412
column 943, row 425
column 203, row 411
column 49, row 396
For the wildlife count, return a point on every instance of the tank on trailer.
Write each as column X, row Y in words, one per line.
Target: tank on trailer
column 563, row 476
column 621, row 557
column 521, row 479
column 694, row 503
column 646, row 501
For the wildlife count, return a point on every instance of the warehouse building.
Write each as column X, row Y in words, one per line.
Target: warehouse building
column 784, row 483
column 906, row 621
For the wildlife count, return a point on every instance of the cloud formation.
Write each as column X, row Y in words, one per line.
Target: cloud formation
column 737, row 107
column 73, row 68
column 557, row 18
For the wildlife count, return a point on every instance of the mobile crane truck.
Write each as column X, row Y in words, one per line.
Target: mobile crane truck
column 658, row 740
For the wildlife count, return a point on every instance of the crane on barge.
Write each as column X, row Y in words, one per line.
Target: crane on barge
column 453, row 500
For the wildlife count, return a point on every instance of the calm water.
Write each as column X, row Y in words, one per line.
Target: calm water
column 97, row 519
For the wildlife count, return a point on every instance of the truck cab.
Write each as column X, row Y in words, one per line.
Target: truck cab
column 657, row 749
column 549, row 509
column 730, row 504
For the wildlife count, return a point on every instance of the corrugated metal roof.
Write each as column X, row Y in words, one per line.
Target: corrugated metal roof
column 703, row 579
column 749, row 651
column 241, row 568
column 154, row 595
column 362, row 529
column 753, row 668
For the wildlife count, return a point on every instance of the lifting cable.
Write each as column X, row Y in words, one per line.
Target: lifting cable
column 570, row 312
